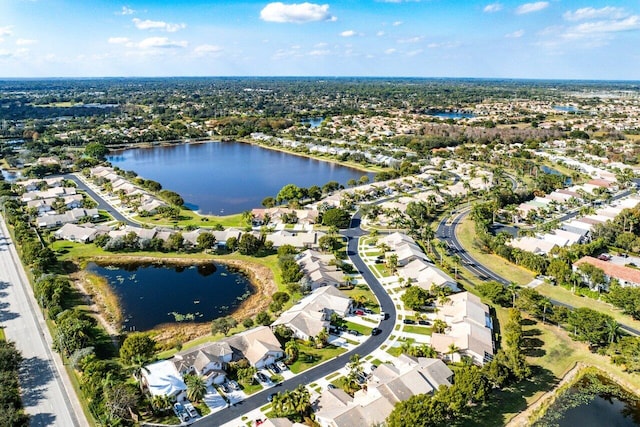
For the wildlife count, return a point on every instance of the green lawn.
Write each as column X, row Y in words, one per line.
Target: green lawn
column 364, row 330
column 309, row 357
column 2, row 336
column 382, row 270
column 413, row 329
column 466, row 234
column 250, row 388
column 189, row 218
column 362, row 290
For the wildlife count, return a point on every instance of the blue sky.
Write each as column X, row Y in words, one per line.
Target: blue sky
column 580, row 39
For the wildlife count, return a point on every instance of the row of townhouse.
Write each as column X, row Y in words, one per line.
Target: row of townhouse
column 320, row 270
column 625, row 275
column 388, row 384
column 414, row 266
column 281, row 215
column 147, row 202
column 259, row 346
column 577, row 230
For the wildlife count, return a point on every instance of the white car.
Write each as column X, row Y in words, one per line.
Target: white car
column 281, row 365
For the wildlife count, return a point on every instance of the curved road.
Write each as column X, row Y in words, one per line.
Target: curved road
column 447, row 233
column 353, row 234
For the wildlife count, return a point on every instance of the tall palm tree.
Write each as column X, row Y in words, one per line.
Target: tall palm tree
column 613, row 329
column 291, row 349
column 322, row 338
column 453, row 349
column 513, row 287
column 196, row 388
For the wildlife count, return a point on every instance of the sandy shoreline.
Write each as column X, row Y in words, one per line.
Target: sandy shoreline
column 168, row 335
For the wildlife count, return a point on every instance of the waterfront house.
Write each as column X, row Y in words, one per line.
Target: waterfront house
column 163, row 379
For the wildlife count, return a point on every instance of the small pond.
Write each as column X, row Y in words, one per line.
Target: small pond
column 152, row 295
column 450, row 114
column 566, row 108
column 551, row 171
column 313, row 122
column 593, row 402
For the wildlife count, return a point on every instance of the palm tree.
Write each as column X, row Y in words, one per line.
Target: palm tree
column 453, row 349
column 138, row 367
column 291, row 349
column 322, row 338
column 160, row 403
column 513, row 288
column 196, row 388
column 613, row 329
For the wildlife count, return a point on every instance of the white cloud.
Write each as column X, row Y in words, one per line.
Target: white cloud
column 410, row 40
column 603, row 27
column 397, row 23
column 6, row 31
column 515, row 35
column 298, row 13
column 5, row 54
column 25, row 42
column 380, row 33
column 160, row 42
column 591, row 13
column 207, row 49
column 118, row 40
column 348, row 33
column 1, row 40
column 390, row 51
column 414, row 52
column 148, row 24
column 320, row 45
column 126, row 11
column 531, row 7
column 492, row 8
column 320, row 52
column 444, row 45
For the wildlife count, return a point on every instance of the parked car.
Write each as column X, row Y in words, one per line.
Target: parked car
column 272, row 367
column 423, row 322
column 281, row 365
column 234, row 385
column 354, row 332
column 375, row 331
column 262, row 377
column 191, row 410
column 604, row 257
column 409, row 322
column 359, row 312
column 367, row 311
column 225, row 388
column 181, row 412
column 383, row 315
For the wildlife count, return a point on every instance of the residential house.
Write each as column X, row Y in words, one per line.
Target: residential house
column 76, row 233
column 258, row 345
column 312, row 314
column 424, row 274
column 319, row 269
column 163, row 379
column 297, row 239
column 470, row 329
column 388, row 385
column 207, row 360
column 626, row 276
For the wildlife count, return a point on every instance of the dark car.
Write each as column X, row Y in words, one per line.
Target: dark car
column 262, row 377
column 274, row 368
column 409, row 322
column 423, row 322
column 375, row 331
column 331, row 386
column 354, row 332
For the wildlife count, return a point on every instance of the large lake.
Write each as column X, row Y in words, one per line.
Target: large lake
column 152, row 295
column 228, row 177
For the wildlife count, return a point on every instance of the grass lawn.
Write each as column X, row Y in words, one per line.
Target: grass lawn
column 564, row 295
column 382, row 270
column 309, row 357
column 466, row 234
column 188, row 217
column 250, row 388
column 362, row 290
column 364, row 330
column 2, row 337
column 424, row 330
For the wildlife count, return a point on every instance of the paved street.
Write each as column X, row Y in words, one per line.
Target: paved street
column 314, row 374
column 46, row 391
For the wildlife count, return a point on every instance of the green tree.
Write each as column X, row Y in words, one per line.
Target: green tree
column 288, row 193
column 626, row 352
column 96, row 150
column 206, row 241
column 249, row 244
column 263, row 318
column 292, row 350
column 137, row 344
column 196, row 388
column 223, row 325
column 336, row 217
column 416, row 297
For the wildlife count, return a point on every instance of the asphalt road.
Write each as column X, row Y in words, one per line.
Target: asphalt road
column 46, row 391
column 257, row 400
column 447, row 233
column 102, row 203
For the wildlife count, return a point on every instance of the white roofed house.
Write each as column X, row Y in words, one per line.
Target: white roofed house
column 163, row 379
column 223, row 235
column 470, row 329
column 423, row 274
column 258, row 345
column 319, row 269
column 312, row 314
column 297, row 239
column 208, row 361
column 76, row 233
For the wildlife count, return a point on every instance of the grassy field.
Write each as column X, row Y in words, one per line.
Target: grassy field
column 466, row 234
column 309, row 357
column 564, row 295
column 364, row 330
column 362, row 290
column 423, row 330
column 2, row 336
column 191, row 218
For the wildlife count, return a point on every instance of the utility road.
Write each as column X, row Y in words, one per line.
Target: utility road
column 47, row 394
